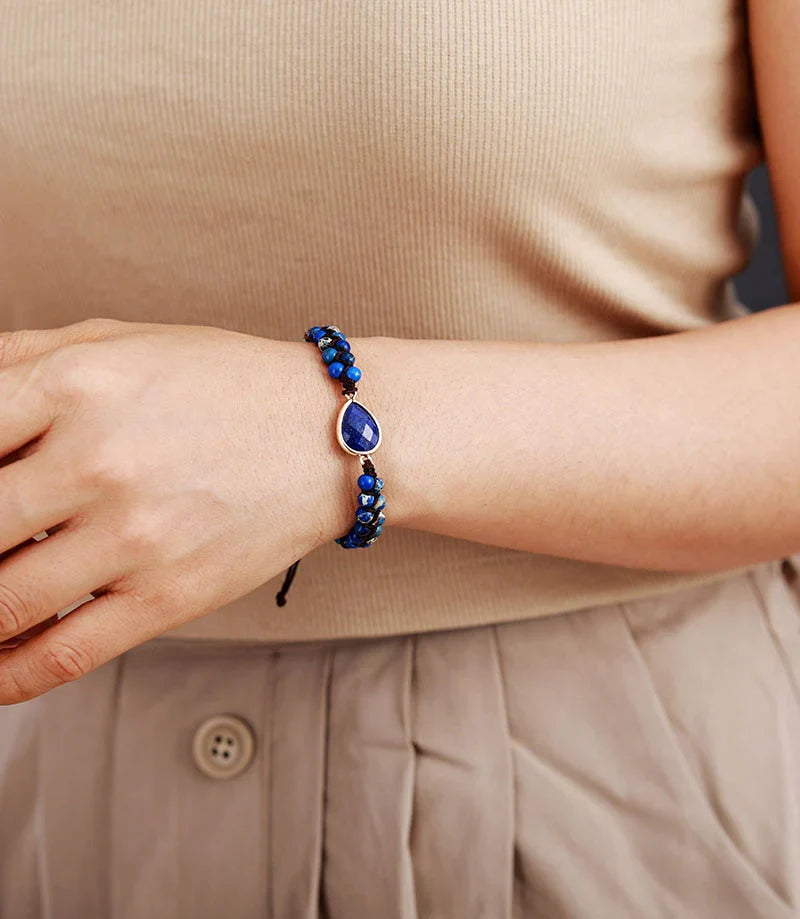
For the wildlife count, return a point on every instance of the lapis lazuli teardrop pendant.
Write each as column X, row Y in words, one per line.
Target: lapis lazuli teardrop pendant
column 356, row 429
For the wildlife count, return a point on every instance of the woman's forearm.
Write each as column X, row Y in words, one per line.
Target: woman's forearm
column 675, row 452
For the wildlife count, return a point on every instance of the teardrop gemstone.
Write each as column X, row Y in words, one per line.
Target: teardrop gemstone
column 358, row 430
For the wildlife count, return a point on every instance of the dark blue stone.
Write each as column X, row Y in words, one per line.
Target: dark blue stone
column 359, row 429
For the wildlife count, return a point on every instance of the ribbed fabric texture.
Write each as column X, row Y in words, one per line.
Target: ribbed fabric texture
column 545, row 171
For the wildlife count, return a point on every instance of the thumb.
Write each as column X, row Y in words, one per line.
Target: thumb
column 22, row 344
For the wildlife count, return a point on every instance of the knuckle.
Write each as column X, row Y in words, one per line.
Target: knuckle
column 139, row 532
column 98, row 324
column 64, row 662
column 77, row 375
column 106, row 467
column 14, row 612
column 155, row 604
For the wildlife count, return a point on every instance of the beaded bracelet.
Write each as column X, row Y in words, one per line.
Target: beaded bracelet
column 359, row 434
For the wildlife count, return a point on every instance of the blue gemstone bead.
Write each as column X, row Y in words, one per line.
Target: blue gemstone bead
column 381, row 518
column 378, row 484
column 366, row 482
column 378, row 530
column 378, row 503
column 358, row 429
column 361, row 529
column 317, row 333
column 353, row 373
column 364, row 515
column 345, row 357
column 328, row 355
column 335, row 369
column 343, row 344
column 366, row 500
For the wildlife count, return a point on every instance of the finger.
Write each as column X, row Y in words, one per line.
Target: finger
column 28, row 407
column 42, row 579
column 8, row 551
column 28, row 633
column 23, row 344
column 80, row 642
column 19, row 639
column 37, row 493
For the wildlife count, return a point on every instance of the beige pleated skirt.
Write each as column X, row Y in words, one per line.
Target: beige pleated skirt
column 638, row 759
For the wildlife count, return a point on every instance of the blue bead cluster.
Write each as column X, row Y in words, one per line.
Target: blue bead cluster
column 335, row 350
column 369, row 514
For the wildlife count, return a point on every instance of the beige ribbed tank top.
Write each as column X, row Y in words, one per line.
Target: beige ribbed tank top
column 549, row 170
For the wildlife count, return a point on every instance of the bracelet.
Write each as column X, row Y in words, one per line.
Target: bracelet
column 358, row 433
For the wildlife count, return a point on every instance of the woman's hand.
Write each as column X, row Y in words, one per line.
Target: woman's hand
column 175, row 469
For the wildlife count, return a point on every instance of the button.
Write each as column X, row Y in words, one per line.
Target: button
column 223, row 746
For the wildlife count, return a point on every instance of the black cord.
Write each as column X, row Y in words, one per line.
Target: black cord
column 280, row 596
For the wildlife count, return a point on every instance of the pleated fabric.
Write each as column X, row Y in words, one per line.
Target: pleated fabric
column 636, row 759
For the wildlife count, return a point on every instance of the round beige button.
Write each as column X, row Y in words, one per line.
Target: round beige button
column 223, row 746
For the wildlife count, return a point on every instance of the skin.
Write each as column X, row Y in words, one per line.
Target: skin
column 149, row 452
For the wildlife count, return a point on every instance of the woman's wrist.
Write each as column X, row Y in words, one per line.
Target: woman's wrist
column 606, row 452
column 316, row 462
